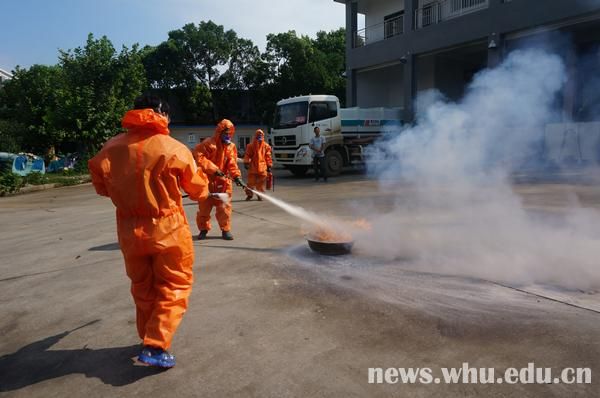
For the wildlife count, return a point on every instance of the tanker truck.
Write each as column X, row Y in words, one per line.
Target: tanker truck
column 347, row 131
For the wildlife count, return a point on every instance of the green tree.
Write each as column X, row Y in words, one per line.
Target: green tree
column 11, row 136
column 99, row 86
column 27, row 103
column 333, row 46
column 303, row 65
column 246, row 69
column 202, row 49
column 196, row 101
column 164, row 66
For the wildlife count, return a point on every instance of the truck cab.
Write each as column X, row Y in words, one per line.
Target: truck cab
column 347, row 131
column 295, row 120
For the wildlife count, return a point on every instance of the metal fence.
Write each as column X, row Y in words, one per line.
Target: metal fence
column 438, row 11
column 381, row 31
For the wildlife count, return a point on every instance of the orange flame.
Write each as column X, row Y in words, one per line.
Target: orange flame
column 325, row 234
column 362, row 224
column 328, row 233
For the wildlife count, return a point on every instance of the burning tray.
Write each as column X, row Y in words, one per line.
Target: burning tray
column 329, row 248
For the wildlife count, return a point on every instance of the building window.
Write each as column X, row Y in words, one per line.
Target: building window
column 243, row 143
column 427, row 16
column 191, row 138
column 394, row 24
column 459, row 5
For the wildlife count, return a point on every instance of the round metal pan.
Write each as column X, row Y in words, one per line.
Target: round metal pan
column 330, row 248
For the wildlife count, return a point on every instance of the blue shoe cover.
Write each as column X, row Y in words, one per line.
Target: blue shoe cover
column 156, row 357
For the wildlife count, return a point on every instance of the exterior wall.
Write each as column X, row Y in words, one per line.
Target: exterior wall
column 375, row 11
column 499, row 18
column 449, row 78
column 426, row 76
column 380, row 87
column 501, row 21
column 573, row 143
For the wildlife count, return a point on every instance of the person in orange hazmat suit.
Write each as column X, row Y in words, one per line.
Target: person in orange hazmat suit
column 217, row 157
column 142, row 171
column 258, row 161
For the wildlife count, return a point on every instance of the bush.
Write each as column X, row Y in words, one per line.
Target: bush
column 35, row 179
column 10, row 182
column 81, row 167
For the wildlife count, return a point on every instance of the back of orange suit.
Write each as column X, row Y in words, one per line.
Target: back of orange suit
column 214, row 155
column 259, row 161
column 142, row 172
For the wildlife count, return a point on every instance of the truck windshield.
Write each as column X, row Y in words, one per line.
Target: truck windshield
column 291, row 115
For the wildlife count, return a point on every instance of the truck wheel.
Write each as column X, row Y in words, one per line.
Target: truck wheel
column 298, row 171
column 334, row 162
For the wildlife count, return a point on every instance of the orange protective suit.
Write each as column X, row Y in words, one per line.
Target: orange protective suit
column 142, row 171
column 258, row 158
column 213, row 155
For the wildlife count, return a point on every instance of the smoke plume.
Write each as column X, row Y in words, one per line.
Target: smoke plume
column 455, row 210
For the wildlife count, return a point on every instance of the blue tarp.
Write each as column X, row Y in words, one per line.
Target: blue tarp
column 22, row 163
column 65, row 162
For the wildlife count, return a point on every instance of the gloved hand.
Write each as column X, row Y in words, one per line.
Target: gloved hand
column 246, row 166
column 219, row 173
column 268, row 169
column 238, row 181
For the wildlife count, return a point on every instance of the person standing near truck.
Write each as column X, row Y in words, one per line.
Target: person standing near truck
column 258, row 162
column 317, row 143
column 142, row 171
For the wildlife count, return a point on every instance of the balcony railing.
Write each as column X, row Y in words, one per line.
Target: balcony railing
column 438, row 11
column 381, row 31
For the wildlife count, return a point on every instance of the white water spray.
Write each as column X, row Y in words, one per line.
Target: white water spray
column 295, row 211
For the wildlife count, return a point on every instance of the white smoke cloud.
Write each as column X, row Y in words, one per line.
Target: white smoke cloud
column 502, row 115
column 456, row 211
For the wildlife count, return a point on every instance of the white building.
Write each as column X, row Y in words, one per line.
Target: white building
column 4, row 75
column 193, row 135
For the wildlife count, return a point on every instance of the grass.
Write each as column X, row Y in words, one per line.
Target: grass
column 64, row 179
column 12, row 183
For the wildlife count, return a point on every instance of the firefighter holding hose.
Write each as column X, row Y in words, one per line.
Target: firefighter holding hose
column 217, row 157
column 258, row 161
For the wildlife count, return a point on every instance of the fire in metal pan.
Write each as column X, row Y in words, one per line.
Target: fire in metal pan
column 329, row 248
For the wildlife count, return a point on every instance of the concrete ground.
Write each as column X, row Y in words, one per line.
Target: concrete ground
column 268, row 318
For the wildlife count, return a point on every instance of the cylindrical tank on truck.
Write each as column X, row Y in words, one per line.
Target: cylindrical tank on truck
column 346, row 131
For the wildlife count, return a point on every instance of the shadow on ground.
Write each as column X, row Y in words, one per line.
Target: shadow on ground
column 36, row 363
column 245, row 248
column 107, row 247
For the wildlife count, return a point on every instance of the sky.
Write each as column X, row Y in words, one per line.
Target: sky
column 32, row 31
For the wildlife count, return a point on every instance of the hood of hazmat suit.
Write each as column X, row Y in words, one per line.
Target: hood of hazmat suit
column 258, row 154
column 212, row 154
